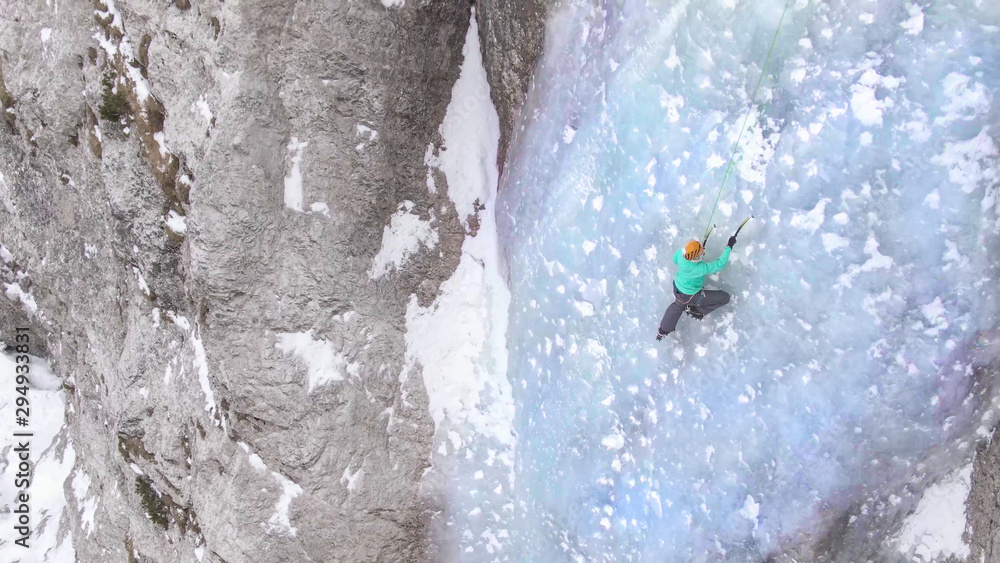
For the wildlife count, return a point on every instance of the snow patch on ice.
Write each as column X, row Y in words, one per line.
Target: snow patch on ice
column 915, row 24
column 970, row 163
column 672, row 59
column 865, row 106
column 966, row 98
column 750, row 510
column 876, row 261
column 917, row 128
column 755, row 152
column 813, row 219
column 568, row 133
column 715, row 161
column 933, row 199
column 672, row 103
column 614, row 441
column 833, row 241
column 935, row 314
column 586, row 309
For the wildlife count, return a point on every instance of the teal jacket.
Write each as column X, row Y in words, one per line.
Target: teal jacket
column 691, row 275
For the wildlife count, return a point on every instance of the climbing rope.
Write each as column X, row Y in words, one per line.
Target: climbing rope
column 753, row 100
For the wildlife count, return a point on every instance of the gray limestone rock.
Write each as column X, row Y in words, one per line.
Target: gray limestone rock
column 192, row 421
column 512, row 33
column 983, row 505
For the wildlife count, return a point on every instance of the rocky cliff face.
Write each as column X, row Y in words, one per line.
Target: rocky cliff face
column 193, row 195
column 512, row 32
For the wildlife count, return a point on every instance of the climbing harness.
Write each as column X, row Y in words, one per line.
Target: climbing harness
column 685, row 303
column 736, row 145
column 688, row 308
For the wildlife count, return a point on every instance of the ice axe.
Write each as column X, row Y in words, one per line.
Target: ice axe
column 712, row 228
column 745, row 221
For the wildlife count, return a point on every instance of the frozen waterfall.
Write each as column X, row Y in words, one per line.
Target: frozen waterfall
column 845, row 376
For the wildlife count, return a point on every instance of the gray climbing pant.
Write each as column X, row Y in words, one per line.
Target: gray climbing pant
column 704, row 302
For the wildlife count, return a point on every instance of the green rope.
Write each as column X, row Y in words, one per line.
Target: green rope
column 745, row 119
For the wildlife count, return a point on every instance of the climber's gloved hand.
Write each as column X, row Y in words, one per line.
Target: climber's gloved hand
column 732, row 241
column 660, row 334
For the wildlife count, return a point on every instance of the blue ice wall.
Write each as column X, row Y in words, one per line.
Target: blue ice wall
column 844, row 373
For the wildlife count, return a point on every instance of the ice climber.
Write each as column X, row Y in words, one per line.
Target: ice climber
column 689, row 292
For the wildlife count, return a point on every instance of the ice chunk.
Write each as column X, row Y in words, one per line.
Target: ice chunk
column 915, row 24
column 966, row 98
column 715, row 161
column 813, row 219
column 614, row 441
column 968, row 162
column 864, row 105
column 750, row 510
column 833, row 241
column 935, row 313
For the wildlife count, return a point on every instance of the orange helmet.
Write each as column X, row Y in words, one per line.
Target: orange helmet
column 692, row 250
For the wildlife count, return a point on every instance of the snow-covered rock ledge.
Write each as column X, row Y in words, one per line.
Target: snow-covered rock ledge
column 457, row 344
